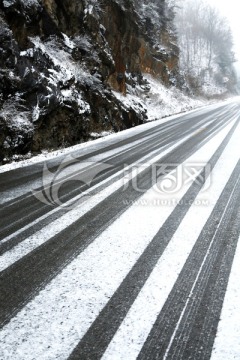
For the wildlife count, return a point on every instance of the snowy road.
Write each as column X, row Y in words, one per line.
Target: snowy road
column 126, row 248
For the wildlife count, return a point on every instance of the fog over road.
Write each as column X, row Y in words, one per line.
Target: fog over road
column 127, row 248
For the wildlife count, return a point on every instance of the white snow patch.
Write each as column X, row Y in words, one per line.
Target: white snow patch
column 227, row 341
column 88, row 10
column 100, row 134
column 163, row 101
column 26, row 3
column 68, row 69
column 131, row 101
column 28, row 52
column 36, row 113
column 74, row 95
column 8, row 3
column 68, row 42
column 16, row 119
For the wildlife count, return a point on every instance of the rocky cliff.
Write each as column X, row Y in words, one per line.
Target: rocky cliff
column 63, row 64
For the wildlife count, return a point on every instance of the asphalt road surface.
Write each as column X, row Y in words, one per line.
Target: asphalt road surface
column 126, row 248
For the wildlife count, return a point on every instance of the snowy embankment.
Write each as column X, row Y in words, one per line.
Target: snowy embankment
column 47, row 155
column 163, row 101
column 159, row 101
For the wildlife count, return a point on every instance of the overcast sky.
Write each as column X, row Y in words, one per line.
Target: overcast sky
column 230, row 9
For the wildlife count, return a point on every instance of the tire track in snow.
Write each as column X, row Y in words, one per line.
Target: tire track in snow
column 83, row 288
column 113, row 314
column 136, row 326
column 186, row 327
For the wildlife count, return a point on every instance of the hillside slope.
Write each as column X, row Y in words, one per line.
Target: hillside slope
column 60, row 61
column 70, row 70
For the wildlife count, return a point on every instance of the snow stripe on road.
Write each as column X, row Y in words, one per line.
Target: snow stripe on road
column 71, row 302
column 136, row 326
column 116, row 309
column 54, row 228
column 227, row 341
column 188, row 321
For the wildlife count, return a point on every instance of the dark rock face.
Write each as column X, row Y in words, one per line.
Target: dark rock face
column 61, row 64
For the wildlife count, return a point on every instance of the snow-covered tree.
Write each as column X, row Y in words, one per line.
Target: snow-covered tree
column 205, row 42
